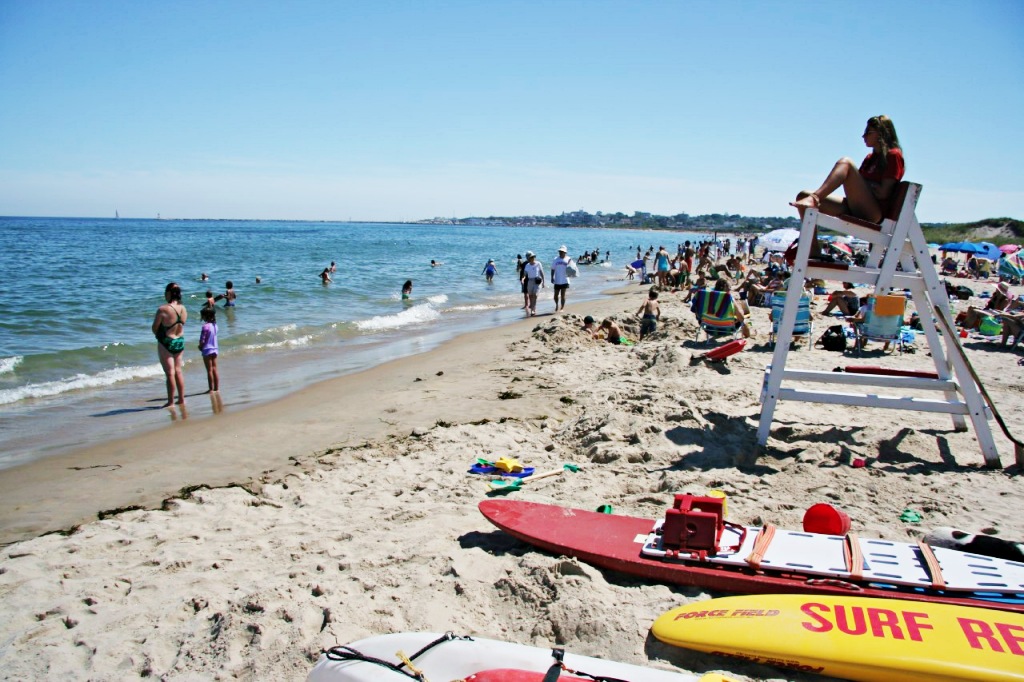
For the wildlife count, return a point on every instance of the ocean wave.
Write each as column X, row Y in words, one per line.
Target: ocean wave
column 476, row 307
column 415, row 315
column 286, row 343
column 78, row 382
column 437, row 299
column 285, row 328
column 8, row 364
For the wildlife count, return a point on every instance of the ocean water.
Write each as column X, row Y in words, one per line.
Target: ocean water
column 77, row 296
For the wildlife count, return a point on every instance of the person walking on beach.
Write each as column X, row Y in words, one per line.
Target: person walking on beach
column 520, row 264
column 169, row 329
column 533, row 278
column 208, row 347
column 870, row 188
column 490, row 270
column 560, row 276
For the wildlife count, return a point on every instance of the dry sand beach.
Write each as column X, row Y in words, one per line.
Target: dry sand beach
column 345, row 510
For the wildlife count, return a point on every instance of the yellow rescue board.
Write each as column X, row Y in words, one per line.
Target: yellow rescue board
column 857, row 638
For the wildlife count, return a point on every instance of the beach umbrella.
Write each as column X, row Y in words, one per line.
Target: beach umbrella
column 840, row 246
column 1011, row 266
column 779, row 240
column 961, row 247
column 989, row 251
column 1009, row 248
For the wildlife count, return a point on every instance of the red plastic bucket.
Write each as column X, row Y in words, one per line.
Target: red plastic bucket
column 826, row 519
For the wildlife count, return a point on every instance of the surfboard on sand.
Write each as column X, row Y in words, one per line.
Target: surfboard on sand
column 792, row 562
column 854, row 638
column 473, row 659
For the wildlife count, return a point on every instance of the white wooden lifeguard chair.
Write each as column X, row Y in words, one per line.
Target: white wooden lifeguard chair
column 898, row 240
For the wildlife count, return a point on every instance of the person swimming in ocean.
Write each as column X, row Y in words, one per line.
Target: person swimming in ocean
column 407, row 290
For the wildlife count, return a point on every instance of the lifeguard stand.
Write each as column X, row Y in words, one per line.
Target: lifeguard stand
column 897, row 241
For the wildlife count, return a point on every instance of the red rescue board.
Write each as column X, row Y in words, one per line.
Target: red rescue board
column 725, row 350
column 613, row 542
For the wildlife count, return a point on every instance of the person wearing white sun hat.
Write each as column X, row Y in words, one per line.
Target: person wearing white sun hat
column 560, row 276
column 533, row 277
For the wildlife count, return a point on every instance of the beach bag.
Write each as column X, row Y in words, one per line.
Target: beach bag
column 571, row 270
column 833, row 339
column 963, row 293
column 990, row 326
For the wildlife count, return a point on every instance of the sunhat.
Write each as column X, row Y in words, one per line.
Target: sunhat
column 562, row 249
column 530, row 254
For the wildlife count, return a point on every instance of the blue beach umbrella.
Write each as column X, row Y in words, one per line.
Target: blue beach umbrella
column 961, row 247
column 989, row 251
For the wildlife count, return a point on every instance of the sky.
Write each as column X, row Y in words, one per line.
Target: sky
column 403, row 110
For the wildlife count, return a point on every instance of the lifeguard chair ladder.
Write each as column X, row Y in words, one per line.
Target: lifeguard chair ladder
column 898, row 240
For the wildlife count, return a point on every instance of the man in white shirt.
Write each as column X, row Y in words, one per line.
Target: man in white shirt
column 560, row 276
column 533, row 274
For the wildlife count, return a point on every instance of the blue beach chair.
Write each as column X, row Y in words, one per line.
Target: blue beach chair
column 883, row 320
column 804, row 325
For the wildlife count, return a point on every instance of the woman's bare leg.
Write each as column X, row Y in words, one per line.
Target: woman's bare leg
column 167, row 363
column 859, row 197
column 179, row 376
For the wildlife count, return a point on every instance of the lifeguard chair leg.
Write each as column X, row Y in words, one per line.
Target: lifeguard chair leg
column 786, row 324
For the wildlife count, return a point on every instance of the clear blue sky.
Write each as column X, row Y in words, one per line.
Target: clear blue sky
column 383, row 110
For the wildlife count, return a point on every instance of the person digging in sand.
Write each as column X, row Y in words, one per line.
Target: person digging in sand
column 650, row 313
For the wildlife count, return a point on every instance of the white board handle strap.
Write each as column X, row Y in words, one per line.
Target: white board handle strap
column 761, row 542
column 853, row 556
column 934, row 570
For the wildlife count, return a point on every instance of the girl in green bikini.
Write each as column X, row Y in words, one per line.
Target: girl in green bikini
column 169, row 329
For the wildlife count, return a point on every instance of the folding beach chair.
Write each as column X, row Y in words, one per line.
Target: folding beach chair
column 716, row 314
column 883, row 318
column 804, row 324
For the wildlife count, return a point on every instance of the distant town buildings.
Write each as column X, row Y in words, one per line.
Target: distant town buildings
column 639, row 219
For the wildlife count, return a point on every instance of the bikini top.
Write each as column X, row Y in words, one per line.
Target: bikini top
column 164, row 328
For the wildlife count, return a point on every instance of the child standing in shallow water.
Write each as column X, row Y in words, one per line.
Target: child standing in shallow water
column 208, row 346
